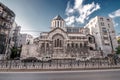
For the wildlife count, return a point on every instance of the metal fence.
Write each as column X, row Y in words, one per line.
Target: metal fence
column 58, row 64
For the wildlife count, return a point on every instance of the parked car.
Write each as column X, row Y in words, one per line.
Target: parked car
column 47, row 58
column 83, row 59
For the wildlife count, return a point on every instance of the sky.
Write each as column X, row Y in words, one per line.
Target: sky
column 34, row 16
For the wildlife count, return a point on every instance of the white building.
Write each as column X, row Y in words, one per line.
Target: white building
column 103, row 30
column 25, row 39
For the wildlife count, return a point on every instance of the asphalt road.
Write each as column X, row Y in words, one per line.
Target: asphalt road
column 64, row 75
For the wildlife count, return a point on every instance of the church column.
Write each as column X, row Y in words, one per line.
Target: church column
column 53, row 23
column 62, row 24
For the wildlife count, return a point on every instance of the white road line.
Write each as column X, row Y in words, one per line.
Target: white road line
column 67, row 71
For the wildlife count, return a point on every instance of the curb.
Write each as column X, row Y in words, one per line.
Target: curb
column 68, row 69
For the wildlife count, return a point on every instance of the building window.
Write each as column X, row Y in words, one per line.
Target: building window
column 113, row 31
column 85, row 44
column 105, row 38
column 108, row 20
column 4, row 14
column 72, row 37
column 43, row 45
column 90, row 39
column 91, row 48
column 68, row 45
column 104, row 30
column 76, row 45
column 47, row 45
column 72, row 45
column 68, row 30
column 102, row 24
column 1, row 49
column 101, row 19
column 60, row 43
column 57, row 23
column 80, row 44
column 109, row 25
column 55, row 45
column 107, row 44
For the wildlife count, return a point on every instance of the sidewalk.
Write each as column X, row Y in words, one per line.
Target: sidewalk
column 60, row 69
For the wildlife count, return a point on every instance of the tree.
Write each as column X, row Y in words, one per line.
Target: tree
column 15, row 52
column 118, row 50
column 118, row 41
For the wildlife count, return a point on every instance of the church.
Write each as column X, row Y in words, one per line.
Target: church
column 62, row 42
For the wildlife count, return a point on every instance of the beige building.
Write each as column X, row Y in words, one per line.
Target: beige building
column 102, row 29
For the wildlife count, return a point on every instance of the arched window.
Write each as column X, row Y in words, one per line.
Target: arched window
column 90, row 39
column 43, row 45
column 91, row 48
column 47, row 45
column 68, row 45
column 58, row 40
column 55, row 23
column 57, row 43
column 76, row 45
column 80, row 44
column 85, row 44
column 72, row 45
column 60, row 43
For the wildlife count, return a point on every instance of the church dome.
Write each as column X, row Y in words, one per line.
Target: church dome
column 57, row 21
column 58, row 17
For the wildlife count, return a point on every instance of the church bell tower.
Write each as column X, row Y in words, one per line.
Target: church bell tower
column 58, row 21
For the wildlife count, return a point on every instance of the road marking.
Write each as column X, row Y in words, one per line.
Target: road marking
column 104, row 70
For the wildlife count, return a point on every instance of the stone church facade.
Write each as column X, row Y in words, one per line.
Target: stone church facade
column 61, row 42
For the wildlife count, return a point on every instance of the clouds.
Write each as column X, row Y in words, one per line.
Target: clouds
column 79, row 12
column 115, row 14
column 70, row 20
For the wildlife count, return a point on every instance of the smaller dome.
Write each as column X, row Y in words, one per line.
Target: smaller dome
column 58, row 17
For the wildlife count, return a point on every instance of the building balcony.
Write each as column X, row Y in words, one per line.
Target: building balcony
column 6, row 18
column 5, row 26
column 58, row 48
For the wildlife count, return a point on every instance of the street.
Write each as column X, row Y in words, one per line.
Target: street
column 64, row 75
